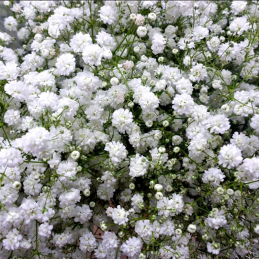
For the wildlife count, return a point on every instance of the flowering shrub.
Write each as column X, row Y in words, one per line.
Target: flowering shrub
column 139, row 118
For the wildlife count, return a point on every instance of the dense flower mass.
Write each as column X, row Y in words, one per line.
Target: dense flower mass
column 129, row 129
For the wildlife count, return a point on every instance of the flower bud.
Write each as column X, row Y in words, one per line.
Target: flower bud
column 114, row 81
column 75, row 155
column 176, row 149
column 159, row 195
column 132, row 186
column 92, row 204
column 220, row 190
column 165, row 123
column 149, row 123
column 121, row 234
column 161, row 150
column 17, row 185
column 178, row 231
column 38, row 37
column 158, row 187
column 141, row 31
column 86, row 192
column 192, row 228
column 132, row 16
column 177, row 140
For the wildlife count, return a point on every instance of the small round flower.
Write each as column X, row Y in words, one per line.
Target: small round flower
column 139, row 19
column 10, row 23
column 149, row 123
column 10, row 157
column 75, row 155
column 192, row 228
column 132, row 186
column 158, row 187
column 158, row 135
column 161, row 150
column 108, row 14
column 177, row 140
column 161, row 59
column 141, row 31
column 132, row 16
column 107, row 54
column 159, row 195
column 136, row 49
column 114, row 81
column 38, row 37
column 220, row 190
column 175, row 51
column 169, row 188
column 178, row 231
column 230, row 156
column 92, row 204
column 131, row 104
column 152, row 16
column 142, row 256
column 165, row 123
column 230, row 192
column 65, row 64
column 176, row 150
column 213, row 248
column 103, row 226
column 86, row 192
column 17, row 185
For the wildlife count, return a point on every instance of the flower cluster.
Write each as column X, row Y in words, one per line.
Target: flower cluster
column 138, row 120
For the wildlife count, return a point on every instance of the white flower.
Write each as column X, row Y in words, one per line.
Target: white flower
column 217, row 124
column 256, row 229
column 65, row 64
column 132, row 246
column 142, row 31
column 198, row 73
column 239, row 25
column 213, row 176
column 184, row 86
column 119, row 215
column 217, row 220
column 238, row 6
column 255, row 123
column 192, row 228
column 45, row 229
column 213, row 248
column 144, row 228
column 148, row 102
column 108, row 14
column 158, row 43
column 75, row 155
column 117, row 151
column 213, row 44
column 92, row 55
column 87, row 242
column 183, row 103
column 230, row 156
column 13, row 240
column 139, row 19
column 10, row 23
column 138, row 166
column 10, row 157
column 171, row 206
column 80, row 41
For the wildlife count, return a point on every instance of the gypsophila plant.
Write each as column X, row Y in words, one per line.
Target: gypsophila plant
column 130, row 128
